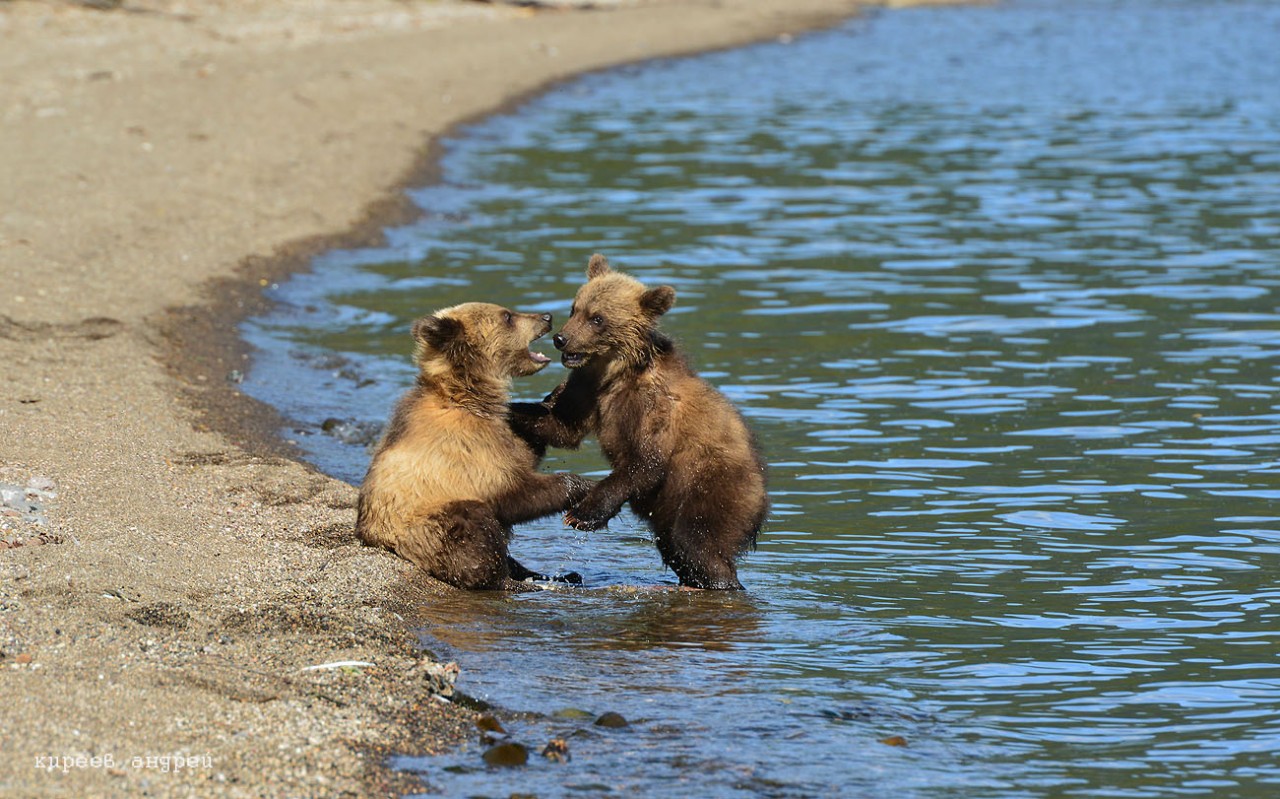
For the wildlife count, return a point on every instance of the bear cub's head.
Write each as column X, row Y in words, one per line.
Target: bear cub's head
column 612, row 318
column 480, row 340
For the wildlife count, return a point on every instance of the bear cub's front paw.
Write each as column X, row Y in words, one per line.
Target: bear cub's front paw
column 586, row 519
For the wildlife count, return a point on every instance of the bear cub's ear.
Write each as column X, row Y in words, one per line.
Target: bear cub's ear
column 656, row 302
column 437, row 331
column 597, row 266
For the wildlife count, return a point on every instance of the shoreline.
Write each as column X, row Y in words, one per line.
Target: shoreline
column 188, row 566
column 256, row 426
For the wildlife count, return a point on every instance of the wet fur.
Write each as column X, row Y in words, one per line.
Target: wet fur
column 681, row 453
column 449, row 478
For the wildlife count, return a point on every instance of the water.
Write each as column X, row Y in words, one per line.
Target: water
column 997, row 288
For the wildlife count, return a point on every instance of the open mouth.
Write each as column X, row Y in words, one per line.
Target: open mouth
column 537, row 357
column 573, row 359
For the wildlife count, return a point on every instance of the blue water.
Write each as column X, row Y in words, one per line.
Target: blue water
column 997, row 289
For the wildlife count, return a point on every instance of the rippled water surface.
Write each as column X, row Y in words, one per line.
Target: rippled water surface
column 998, row 289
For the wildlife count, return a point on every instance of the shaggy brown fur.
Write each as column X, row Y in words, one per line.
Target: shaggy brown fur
column 681, row 453
column 449, row 477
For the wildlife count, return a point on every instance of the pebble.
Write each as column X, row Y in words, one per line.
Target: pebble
column 611, row 720
column 571, row 713
column 348, row 431
column 506, row 754
column 556, row 750
column 439, row 677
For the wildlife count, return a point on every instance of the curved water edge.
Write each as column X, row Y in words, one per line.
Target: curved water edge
column 996, row 288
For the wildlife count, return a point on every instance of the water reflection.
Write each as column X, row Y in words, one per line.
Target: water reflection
column 615, row 618
column 997, row 289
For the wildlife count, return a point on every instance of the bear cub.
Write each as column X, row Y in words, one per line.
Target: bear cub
column 681, row 454
column 449, row 477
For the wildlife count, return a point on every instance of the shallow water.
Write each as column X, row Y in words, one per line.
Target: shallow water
column 997, row 289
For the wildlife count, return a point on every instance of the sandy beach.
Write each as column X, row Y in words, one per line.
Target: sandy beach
column 169, row 570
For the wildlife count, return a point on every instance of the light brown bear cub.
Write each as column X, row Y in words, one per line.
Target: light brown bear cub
column 681, row 453
column 449, row 477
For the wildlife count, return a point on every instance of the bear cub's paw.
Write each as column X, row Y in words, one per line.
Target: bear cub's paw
column 586, row 517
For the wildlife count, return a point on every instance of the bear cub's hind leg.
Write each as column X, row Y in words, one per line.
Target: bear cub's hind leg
column 463, row 545
column 694, row 551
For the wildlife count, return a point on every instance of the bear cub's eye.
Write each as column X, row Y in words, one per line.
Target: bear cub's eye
column 506, row 317
column 597, row 320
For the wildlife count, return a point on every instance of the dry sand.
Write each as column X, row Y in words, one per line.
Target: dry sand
column 160, row 162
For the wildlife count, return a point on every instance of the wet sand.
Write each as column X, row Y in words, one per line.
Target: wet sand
column 168, row 568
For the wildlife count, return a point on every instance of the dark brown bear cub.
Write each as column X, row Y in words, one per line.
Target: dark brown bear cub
column 681, row 453
column 449, row 477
